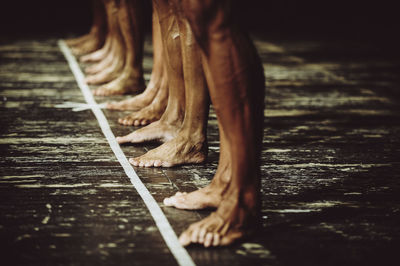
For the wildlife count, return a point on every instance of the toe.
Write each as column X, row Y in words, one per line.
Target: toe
column 128, row 122
column 149, row 163
column 136, row 123
column 110, row 105
column 202, row 235
column 208, row 239
column 121, row 140
column 184, row 238
column 157, row 163
column 194, row 238
column 168, row 201
column 133, row 161
column 216, row 240
column 230, row 238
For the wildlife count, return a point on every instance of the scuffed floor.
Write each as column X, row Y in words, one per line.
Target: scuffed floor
column 330, row 165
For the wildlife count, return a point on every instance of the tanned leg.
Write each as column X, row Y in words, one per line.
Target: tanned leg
column 189, row 146
column 171, row 121
column 144, row 99
column 236, row 83
column 116, row 51
column 95, row 38
column 211, row 195
column 130, row 80
column 101, row 53
column 112, row 42
column 151, row 112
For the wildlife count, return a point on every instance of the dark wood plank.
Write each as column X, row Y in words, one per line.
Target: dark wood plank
column 330, row 165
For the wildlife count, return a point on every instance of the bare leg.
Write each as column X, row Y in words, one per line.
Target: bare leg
column 151, row 112
column 116, row 49
column 106, row 58
column 144, row 99
column 171, row 121
column 235, row 78
column 95, row 38
column 211, row 195
column 101, row 53
column 130, row 20
column 113, row 38
column 189, row 146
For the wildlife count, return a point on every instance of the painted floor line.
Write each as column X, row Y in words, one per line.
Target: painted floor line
column 170, row 238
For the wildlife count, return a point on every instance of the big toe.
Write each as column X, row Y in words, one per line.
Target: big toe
column 90, row 80
column 111, row 105
column 134, row 161
column 184, row 239
column 168, row 201
column 123, row 139
column 173, row 201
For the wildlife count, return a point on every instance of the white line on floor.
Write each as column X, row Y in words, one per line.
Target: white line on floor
column 170, row 238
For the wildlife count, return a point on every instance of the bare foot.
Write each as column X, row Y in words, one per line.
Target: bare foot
column 99, row 66
column 91, row 44
column 236, row 216
column 211, row 231
column 109, row 74
column 131, row 104
column 200, row 199
column 98, row 55
column 75, row 41
column 158, row 131
column 124, row 84
column 207, row 197
column 180, row 150
column 140, row 101
column 142, row 117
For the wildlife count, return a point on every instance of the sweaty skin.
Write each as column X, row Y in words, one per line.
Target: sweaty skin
column 211, row 195
column 158, row 80
column 130, row 22
column 189, row 146
column 236, row 84
column 151, row 112
column 110, row 58
column 96, row 36
column 171, row 120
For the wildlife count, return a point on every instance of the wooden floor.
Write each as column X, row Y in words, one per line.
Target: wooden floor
column 330, row 165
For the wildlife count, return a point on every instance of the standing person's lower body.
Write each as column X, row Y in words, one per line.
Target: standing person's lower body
column 96, row 36
column 236, row 84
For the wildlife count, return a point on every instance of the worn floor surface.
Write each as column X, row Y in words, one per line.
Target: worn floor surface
column 330, row 165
